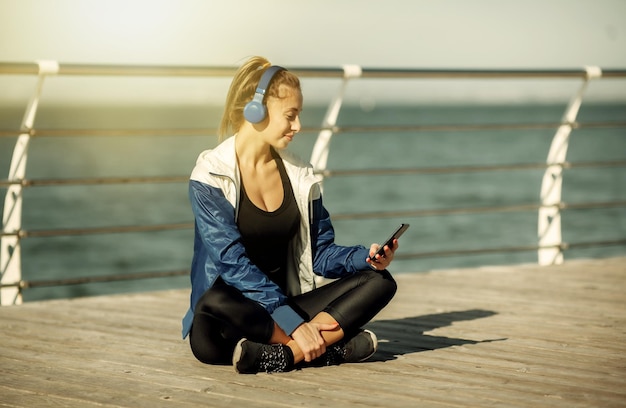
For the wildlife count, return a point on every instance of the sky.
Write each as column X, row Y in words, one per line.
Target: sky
column 392, row 33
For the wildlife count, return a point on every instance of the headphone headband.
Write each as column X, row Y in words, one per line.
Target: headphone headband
column 255, row 111
column 266, row 78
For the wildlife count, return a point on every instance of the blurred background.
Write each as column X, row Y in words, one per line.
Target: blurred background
column 447, row 34
column 396, row 33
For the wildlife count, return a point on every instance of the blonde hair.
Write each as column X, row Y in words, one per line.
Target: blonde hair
column 242, row 91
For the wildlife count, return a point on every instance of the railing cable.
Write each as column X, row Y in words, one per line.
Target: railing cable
column 27, row 284
column 336, row 129
column 335, row 217
column 326, row 173
column 21, row 68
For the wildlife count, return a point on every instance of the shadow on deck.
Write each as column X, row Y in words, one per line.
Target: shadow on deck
column 495, row 336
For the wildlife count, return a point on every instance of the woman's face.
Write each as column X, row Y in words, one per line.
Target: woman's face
column 283, row 117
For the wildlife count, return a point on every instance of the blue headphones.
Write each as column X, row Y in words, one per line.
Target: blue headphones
column 255, row 110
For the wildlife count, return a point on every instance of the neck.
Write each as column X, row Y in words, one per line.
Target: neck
column 251, row 150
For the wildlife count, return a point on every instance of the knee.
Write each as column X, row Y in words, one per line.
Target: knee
column 207, row 350
column 208, row 355
column 384, row 283
column 389, row 283
column 212, row 300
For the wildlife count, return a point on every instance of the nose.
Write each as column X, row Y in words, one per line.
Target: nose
column 295, row 125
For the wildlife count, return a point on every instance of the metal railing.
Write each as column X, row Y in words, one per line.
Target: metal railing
column 549, row 248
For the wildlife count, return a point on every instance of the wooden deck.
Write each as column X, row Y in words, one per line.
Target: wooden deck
column 496, row 336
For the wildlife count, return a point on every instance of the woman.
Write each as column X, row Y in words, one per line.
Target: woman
column 264, row 244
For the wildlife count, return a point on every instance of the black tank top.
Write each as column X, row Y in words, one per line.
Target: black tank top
column 266, row 235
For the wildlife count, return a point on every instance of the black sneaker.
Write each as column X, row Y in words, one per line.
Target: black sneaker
column 251, row 358
column 361, row 347
column 358, row 348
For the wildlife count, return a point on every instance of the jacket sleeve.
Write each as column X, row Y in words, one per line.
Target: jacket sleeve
column 220, row 240
column 329, row 259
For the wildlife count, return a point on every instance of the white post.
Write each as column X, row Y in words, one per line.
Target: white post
column 319, row 156
column 10, row 251
column 549, row 223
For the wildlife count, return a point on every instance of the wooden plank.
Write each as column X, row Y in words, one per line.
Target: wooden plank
column 498, row 336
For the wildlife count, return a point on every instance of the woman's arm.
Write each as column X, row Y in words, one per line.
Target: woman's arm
column 329, row 259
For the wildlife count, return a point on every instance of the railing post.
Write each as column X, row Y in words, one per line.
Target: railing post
column 549, row 222
column 319, row 155
column 10, row 250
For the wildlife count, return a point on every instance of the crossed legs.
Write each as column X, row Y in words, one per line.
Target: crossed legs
column 224, row 315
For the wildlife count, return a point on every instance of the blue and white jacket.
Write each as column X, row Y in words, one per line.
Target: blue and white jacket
column 218, row 249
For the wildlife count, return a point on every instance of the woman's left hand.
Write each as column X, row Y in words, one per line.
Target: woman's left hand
column 382, row 262
column 310, row 340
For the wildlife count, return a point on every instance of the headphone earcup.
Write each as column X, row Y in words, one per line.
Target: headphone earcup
column 254, row 111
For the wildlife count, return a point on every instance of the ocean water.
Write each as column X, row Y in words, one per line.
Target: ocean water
column 139, row 204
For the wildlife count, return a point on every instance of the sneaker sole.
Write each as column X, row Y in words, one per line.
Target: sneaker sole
column 237, row 354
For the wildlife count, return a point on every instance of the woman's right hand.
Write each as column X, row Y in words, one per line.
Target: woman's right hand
column 310, row 340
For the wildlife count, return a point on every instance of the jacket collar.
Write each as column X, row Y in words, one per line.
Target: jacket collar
column 222, row 160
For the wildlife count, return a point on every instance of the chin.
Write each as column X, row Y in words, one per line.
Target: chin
column 283, row 143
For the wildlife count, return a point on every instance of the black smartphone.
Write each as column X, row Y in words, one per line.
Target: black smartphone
column 389, row 242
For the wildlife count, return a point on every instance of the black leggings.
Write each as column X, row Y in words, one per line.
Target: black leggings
column 224, row 315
